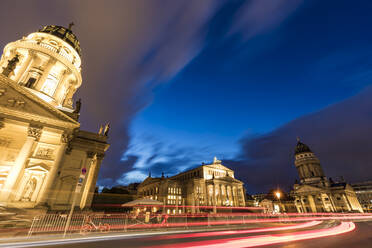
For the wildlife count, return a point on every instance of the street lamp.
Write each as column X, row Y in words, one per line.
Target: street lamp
column 278, row 194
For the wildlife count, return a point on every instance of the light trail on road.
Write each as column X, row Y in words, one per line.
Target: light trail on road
column 235, row 232
column 260, row 240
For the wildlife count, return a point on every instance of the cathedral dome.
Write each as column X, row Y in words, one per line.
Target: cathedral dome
column 64, row 34
column 301, row 148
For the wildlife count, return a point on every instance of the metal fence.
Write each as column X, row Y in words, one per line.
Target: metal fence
column 103, row 223
column 85, row 223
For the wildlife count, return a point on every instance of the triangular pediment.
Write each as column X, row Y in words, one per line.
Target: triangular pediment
column 218, row 166
column 38, row 167
column 18, row 102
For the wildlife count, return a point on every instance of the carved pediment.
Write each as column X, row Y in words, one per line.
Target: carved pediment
column 219, row 167
column 38, row 168
column 18, row 102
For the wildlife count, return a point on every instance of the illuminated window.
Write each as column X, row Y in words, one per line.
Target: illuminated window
column 54, row 43
column 50, row 85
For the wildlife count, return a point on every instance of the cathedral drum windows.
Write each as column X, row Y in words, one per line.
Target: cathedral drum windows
column 31, row 78
column 50, row 85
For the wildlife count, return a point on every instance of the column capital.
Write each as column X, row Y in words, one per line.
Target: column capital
column 66, row 137
column 90, row 154
column 100, row 155
column 34, row 131
column 31, row 53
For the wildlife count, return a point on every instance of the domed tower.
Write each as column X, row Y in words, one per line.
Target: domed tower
column 47, row 63
column 308, row 165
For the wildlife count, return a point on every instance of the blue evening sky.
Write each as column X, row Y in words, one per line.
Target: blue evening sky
column 235, row 87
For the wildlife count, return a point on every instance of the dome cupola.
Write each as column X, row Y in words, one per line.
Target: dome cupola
column 301, row 147
column 47, row 63
column 64, row 34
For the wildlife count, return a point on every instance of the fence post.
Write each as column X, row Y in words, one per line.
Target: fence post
column 31, row 228
column 208, row 220
column 125, row 223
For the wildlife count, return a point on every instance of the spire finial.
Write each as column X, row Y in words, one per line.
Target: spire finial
column 70, row 25
column 149, row 173
column 298, row 139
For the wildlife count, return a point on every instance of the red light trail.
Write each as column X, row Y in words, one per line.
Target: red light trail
column 234, row 232
column 260, row 240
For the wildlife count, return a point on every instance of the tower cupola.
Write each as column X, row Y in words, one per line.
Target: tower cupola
column 308, row 165
column 48, row 64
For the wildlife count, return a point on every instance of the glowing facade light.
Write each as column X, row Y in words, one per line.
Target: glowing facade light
column 277, row 194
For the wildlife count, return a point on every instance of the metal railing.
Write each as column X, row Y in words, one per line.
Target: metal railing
column 103, row 223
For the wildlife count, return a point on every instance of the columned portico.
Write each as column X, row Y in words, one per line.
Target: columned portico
column 33, row 135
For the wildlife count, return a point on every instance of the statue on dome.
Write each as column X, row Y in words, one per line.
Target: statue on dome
column 11, row 65
column 216, row 161
column 70, row 25
column 107, row 129
column 77, row 106
column 100, row 130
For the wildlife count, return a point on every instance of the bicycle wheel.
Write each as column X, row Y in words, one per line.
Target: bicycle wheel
column 105, row 228
column 85, row 229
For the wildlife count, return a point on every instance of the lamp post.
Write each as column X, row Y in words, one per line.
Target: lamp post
column 278, row 194
column 77, row 191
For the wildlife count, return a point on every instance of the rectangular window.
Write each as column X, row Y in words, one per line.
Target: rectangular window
column 50, row 85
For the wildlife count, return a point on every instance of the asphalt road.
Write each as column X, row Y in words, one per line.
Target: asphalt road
column 360, row 237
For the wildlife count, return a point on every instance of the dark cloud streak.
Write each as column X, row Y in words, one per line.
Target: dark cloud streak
column 340, row 135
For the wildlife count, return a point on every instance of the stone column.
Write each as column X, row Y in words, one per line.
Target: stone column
column 67, row 102
column 58, row 94
column 304, row 210
column 8, row 191
column 348, row 205
column 242, row 198
column 47, row 189
column 214, row 199
column 222, row 197
column 192, row 202
column 25, row 66
column 92, row 183
column 233, row 191
column 330, row 197
column 45, row 74
column 90, row 165
column 230, row 196
column 312, row 203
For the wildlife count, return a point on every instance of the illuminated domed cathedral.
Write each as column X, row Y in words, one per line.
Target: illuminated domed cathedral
column 315, row 192
column 42, row 149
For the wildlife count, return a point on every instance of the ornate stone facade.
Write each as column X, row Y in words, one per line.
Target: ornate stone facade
column 42, row 149
column 315, row 192
column 208, row 185
column 363, row 191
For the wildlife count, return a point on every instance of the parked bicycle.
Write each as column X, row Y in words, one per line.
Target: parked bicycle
column 89, row 226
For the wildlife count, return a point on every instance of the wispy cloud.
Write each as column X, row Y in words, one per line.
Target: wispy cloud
column 256, row 17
